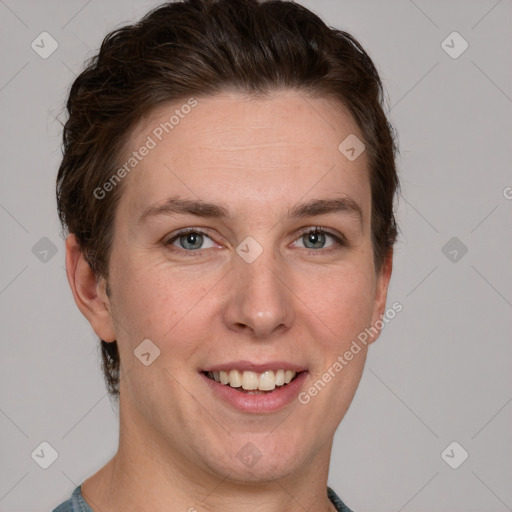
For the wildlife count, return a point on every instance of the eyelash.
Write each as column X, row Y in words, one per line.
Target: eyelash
column 339, row 240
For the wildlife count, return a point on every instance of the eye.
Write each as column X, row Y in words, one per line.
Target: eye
column 189, row 240
column 315, row 238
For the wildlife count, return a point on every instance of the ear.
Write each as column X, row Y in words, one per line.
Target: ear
column 89, row 291
column 381, row 293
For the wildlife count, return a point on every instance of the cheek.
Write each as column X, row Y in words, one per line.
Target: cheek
column 158, row 301
column 343, row 301
column 151, row 300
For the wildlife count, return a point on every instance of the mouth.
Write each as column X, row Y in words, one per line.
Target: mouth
column 255, row 388
column 252, row 382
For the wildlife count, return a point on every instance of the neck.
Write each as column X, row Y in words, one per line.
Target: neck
column 145, row 476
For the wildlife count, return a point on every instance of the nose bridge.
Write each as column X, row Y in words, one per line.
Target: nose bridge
column 260, row 300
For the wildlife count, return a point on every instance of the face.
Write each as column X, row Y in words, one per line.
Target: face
column 250, row 288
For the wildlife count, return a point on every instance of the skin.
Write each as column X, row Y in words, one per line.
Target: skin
column 178, row 442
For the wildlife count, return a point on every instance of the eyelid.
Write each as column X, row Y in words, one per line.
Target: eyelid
column 339, row 239
column 185, row 231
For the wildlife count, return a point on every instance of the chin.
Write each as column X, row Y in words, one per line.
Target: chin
column 261, row 472
column 260, row 459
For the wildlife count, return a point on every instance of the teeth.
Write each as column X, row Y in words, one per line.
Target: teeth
column 267, row 381
column 235, row 379
column 250, row 381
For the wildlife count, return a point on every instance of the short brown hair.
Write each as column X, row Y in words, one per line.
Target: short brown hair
column 201, row 47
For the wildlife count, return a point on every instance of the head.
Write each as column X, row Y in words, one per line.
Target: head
column 243, row 106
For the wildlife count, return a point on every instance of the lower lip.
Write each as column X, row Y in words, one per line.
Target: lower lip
column 257, row 403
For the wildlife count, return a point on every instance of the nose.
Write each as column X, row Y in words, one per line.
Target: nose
column 258, row 301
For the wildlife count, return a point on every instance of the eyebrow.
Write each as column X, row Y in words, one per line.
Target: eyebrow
column 175, row 205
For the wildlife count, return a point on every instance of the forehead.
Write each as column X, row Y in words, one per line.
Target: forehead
column 248, row 152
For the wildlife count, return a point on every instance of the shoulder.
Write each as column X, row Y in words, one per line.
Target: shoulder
column 336, row 501
column 76, row 503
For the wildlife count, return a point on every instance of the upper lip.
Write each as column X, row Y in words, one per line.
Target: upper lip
column 255, row 367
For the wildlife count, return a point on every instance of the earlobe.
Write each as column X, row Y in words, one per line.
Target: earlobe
column 381, row 293
column 88, row 291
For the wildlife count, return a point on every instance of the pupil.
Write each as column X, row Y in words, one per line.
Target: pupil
column 314, row 238
column 192, row 239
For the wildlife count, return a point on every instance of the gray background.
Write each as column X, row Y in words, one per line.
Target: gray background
column 441, row 371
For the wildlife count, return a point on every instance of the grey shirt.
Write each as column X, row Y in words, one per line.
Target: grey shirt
column 77, row 503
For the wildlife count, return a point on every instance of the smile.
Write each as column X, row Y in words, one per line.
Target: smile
column 253, row 382
column 255, row 388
